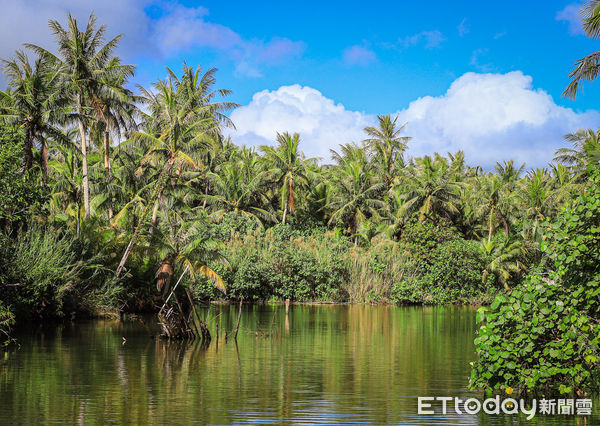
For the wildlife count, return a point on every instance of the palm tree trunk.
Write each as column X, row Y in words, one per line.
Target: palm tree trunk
column 28, row 148
column 44, row 161
column 154, row 220
column 158, row 188
column 84, row 163
column 504, row 222
column 285, row 211
column 107, row 166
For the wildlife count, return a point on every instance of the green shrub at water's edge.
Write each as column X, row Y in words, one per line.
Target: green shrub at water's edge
column 545, row 336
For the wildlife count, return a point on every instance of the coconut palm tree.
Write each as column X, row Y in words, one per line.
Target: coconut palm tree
column 183, row 120
column 85, row 64
column 588, row 67
column 585, row 152
column 35, row 102
column 238, row 189
column 354, row 190
column 430, row 190
column 386, row 147
column 287, row 168
column 182, row 245
column 504, row 258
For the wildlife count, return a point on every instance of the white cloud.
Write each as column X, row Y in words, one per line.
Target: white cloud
column 570, row 14
column 172, row 29
column 359, row 55
column 432, row 39
column 492, row 117
column 182, row 28
column 322, row 124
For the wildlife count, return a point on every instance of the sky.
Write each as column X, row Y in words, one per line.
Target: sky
column 483, row 77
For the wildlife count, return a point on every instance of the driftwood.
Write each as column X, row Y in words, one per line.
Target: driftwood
column 181, row 321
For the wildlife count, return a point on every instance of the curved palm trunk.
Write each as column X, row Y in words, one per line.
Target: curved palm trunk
column 158, row 188
column 84, row 163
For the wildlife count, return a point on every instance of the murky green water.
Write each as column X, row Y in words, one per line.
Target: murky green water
column 318, row 364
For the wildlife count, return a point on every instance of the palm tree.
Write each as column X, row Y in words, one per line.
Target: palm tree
column 585, row 151
column 85, row 64
column 183, row 121
column 588, row 67
column 354, row 193
column 183, row 245
column 287, row 169
column 494, row 202
column 430, row 189
column 238, row 189
column 34, row 102
column 504, row 259
column 386, row 147
column 536, row 200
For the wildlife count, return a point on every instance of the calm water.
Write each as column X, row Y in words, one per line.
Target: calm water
column 318, row 364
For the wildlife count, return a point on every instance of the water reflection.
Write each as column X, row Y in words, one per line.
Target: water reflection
column 330, row 364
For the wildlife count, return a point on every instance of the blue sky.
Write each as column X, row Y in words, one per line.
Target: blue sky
column 326, row 68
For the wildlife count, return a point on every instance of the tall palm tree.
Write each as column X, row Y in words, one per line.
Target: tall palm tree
column 35, row 101
column 85, row 63
column 588, row 67
column 355, row 192
column 287, row 169
column 238, row 191
column 386, row 147
column 494, row 202
column 430, row 189
column 183, row 120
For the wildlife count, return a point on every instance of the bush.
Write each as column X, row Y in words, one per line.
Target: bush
column 545, row 337
column 439, row 266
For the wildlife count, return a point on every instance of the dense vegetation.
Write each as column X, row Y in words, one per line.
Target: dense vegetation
column 109, row 195
column 545, row 335
column 106, row 192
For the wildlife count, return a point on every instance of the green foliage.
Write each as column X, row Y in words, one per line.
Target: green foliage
column 39, row 272
column 545, row 337
column 20, row 194
column 443, row 272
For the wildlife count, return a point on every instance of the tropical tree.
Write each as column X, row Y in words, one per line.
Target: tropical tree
column 182, row 245
column 85, row 64
column 183, row 119
column 429, row 189
column 585, row 152
column 354, row 194
column 504, row 259
column 386, row 147
column 287, row 168
column 588, row 67
column 35, row 102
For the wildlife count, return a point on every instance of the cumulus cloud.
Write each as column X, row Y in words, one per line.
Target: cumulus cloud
column 167, row 30
column 359, row 55
column 570, row 14
column 431, row 39
column 321, row 122
column 492, row 117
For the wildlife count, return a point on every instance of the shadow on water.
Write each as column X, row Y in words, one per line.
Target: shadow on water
column 327, row 364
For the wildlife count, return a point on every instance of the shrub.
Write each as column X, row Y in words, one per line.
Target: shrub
column 545, row 336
